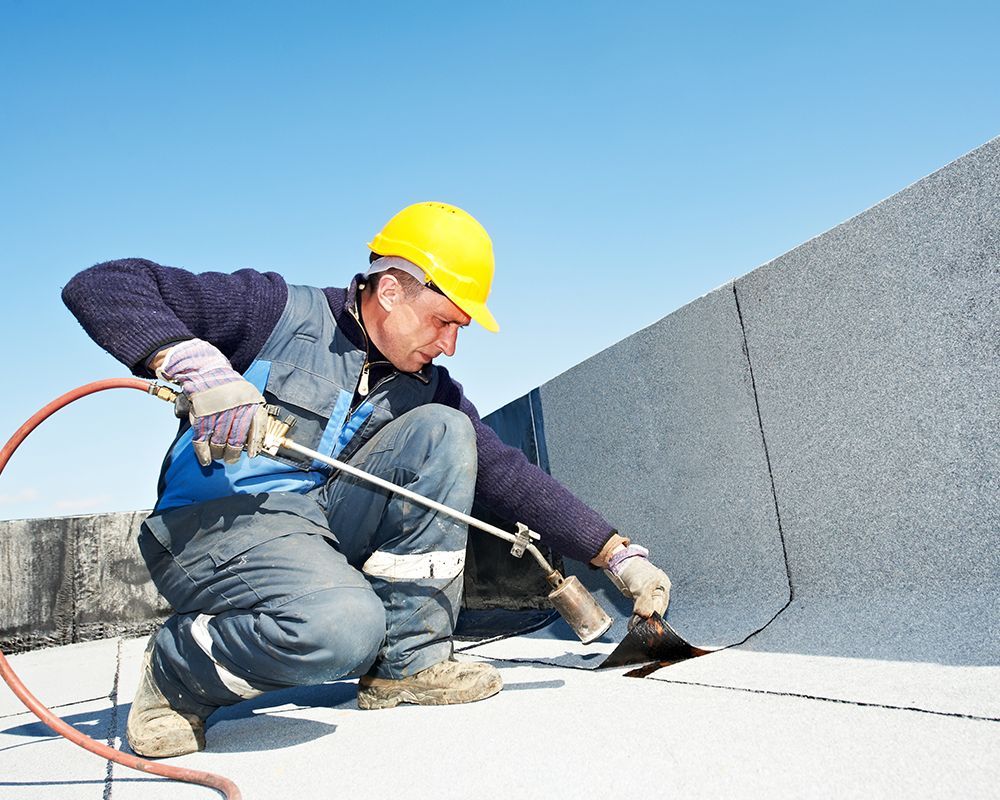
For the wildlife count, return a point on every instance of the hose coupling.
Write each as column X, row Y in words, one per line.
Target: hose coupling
column 162, row 392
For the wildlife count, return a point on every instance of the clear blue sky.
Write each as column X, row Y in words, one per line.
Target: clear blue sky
column 626, row 158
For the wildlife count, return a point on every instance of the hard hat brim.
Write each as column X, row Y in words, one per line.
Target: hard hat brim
column 480, row 313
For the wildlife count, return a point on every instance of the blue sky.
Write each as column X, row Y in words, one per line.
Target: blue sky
column 625, row 159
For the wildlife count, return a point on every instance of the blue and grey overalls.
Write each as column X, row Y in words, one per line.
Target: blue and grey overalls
column 281, row 575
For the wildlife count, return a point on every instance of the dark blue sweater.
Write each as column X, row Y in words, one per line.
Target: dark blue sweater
column 134, row 307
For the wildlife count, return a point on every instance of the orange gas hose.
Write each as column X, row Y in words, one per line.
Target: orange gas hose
column 223, row 785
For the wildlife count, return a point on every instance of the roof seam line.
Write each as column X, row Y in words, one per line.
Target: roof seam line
column 113, row 723
column 838, row 700
column 770, row 475
column 54, row 706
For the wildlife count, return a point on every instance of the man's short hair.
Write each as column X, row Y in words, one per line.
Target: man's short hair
column 411, row 286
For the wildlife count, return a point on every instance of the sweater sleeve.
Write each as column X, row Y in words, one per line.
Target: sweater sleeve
column 516, row 490
column 133, row 307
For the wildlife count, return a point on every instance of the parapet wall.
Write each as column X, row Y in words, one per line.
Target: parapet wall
column 817, row 440
column 71, row 579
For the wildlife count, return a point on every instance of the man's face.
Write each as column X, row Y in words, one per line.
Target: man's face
column 421, row 328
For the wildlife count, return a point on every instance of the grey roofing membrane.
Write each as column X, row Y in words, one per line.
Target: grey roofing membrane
column 838, row 405
column 811, row 453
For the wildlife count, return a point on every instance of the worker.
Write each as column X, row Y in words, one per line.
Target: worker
column 285, row 573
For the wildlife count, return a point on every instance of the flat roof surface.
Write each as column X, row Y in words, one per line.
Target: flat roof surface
column 704, row 726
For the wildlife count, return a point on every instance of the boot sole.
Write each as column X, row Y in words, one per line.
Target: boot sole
column 165, row 746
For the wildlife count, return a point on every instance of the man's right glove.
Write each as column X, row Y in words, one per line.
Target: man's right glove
column 635, row 575
column 227, row 412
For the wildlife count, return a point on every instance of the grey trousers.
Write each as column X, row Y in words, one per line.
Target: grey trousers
column 277, row 590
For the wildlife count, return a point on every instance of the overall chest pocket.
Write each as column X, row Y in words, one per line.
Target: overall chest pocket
column 309, row 397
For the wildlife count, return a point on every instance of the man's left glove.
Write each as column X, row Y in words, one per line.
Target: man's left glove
column 635, row 575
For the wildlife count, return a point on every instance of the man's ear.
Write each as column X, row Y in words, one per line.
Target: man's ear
column 389, row 292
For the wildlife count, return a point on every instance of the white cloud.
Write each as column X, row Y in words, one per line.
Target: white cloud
column 26, row 495
column 84, row 505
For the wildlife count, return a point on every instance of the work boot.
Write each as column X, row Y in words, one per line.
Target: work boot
column 155, row 729
column 442, row 684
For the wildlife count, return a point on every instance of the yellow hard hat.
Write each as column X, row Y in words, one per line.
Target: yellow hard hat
column 451, row 247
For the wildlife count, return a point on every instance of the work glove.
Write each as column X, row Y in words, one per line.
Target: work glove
column 226, row 411
column 636, row 577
